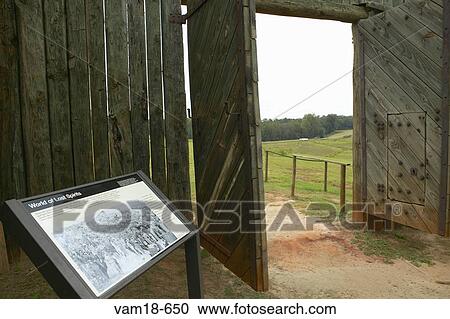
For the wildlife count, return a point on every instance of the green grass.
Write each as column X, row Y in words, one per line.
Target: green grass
column 310, row 176
column 391, row 246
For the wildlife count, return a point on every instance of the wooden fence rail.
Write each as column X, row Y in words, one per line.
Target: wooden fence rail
column 295, row 158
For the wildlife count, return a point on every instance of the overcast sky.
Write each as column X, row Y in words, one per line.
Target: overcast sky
column 299, row 57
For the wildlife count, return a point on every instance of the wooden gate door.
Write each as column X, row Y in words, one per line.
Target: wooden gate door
column 404, row 114
column 227, row 137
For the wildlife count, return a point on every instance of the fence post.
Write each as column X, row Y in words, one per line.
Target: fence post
column 294, row 175
column 343, row 180
column 325, row 178
column 267, row 166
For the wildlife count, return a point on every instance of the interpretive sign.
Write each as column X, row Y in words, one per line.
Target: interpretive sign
column 99, row 237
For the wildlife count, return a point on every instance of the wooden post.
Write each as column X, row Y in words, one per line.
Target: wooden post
column 12, row 183
column 343, row 180
column 177, row 151
column 325, row 178
column 158, row 148
column 267, row 166
column 359, row 144
column 294, row 175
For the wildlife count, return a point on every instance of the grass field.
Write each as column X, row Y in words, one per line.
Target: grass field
column 310, row 175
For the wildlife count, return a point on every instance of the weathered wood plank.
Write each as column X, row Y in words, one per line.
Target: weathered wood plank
column 422, row 37
column 226, row 124
column 4, row 263
column 97, row 74
column 178, row 182
column 12, row 181
column 327, row 10
column 397, row 44
column 255, row 145
column 155, row 98
column 444, row 216
column 358, row 123
column 33, row 97
column 409, row 82
column 427, row 12
column 79, row 92
column 138, row 86
column 58, row 94
column 120, row 135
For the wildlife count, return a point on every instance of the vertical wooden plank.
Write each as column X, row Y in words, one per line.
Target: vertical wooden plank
column 97, row 76
column 325, row 177
column 255, row 147
column 4, row 264
column 12, row 181
column 33, row 96
column 79, row 92
column 267, row 166
column 58, row 93
column 443, row 202
column 358, row 124
column 155, row 98
column 343, row 183
column 177, row 154
column 121, row 143
column 138, row 86
column 294, row 175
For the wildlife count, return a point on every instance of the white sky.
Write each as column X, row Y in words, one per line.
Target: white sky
column 298, row 57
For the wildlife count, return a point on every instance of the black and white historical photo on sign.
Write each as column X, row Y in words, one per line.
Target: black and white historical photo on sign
column 105, row 256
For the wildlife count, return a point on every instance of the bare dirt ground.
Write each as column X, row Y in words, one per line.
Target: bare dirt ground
column 328, row 264
column 321, row 263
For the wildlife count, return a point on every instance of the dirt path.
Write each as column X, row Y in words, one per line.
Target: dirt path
column 326, row 264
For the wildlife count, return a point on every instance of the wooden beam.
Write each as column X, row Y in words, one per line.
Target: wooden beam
column 325, row 10
column 314, row 9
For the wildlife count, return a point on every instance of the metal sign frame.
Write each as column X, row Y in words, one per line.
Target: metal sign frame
column 58, row 271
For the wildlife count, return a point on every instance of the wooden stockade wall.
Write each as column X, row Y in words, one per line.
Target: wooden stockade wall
column 81, row 95
column 401, row 147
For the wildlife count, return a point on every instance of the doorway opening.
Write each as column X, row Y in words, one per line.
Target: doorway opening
column 306, row 104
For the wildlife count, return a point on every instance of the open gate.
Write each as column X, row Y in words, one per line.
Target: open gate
column 227, row 137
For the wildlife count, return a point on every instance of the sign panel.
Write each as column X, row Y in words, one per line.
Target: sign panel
column 106, row 233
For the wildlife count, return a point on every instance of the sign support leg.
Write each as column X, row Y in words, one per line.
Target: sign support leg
column 194, row 279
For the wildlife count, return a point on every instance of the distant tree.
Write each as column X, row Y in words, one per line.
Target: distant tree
column 310, row 126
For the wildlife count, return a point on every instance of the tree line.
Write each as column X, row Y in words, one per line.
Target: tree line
column 310, row 126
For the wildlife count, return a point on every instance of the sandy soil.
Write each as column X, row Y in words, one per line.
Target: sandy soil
column 324, row 263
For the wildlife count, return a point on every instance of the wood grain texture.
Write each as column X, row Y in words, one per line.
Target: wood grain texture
column 404, row 121
column 155, row 94
column 34, row 98
column 359, row 182
column 79, row 91
column 227, row 138
column 327, row 10
column 12, row 181
column 444, row 216
column 138, row 87
column 58, row 94
column 120, row 135
column 177, row 153
column 97, row 75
